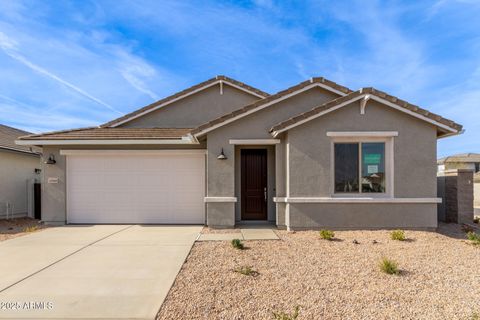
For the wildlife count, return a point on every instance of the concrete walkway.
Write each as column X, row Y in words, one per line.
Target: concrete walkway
column 243, row 233
column 85, row 272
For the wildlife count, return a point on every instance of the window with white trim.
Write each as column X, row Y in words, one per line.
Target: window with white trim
column 360, row 167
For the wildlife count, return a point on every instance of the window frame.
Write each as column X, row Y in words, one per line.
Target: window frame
column 389, row 165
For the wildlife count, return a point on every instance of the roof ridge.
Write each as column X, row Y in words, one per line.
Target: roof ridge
column 55, row 132
column 275, row 96
column 97, row 133
column 412, row 107
column 184, row 92
column 8, row 136
column 13, row 128
column 314, row 110
column 366, row 91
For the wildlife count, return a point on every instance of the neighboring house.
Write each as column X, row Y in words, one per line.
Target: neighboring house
column 17, row 169
column 464, row 161
column 221, row 153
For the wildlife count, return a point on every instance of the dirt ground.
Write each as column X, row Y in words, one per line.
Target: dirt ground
column 439, row 278
column 16, row 227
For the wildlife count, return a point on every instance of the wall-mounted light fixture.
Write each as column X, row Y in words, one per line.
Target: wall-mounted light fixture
column 222, row 156
column 51, row 159
column 38, row 171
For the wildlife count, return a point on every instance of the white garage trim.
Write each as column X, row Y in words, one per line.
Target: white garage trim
column 362, row 134
column 220, row 199
column 354, row 200
column 130, row 152
column 253, row 142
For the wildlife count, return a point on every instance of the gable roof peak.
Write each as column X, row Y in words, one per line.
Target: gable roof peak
column 274, row 98
column 450, row 126
column 185, row 93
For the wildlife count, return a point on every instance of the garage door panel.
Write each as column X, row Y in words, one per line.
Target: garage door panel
column 137, row 188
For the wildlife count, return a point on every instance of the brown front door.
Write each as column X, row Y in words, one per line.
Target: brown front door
column 254, row 184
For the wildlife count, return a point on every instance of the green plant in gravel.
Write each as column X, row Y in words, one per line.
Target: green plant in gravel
column 398, row 235
column 474, row 237
column 31, row 229
column 475, row 316
column 389, row 266
column 327, row 234
column 246, row 271
column 467, row 228
column 286, row 316
column 237, row 244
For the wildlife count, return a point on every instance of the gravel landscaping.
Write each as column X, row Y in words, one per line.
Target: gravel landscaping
column 17, row 227
column 439, row 278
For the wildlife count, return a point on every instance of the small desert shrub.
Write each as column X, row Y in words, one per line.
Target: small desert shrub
column 237, row 244
column 246, row 271
column 474, row 237
column 466, row 228
column 31, row 229
column 475, row 316
column 476, row 220
column 285, row 316
column 398, row 235
column 327, row 234
column 389, row 266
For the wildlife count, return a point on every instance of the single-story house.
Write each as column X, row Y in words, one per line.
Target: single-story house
column 19, row 167
column 222, row 153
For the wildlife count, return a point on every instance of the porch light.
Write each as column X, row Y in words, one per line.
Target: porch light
column 51, row 159
column 222, row 156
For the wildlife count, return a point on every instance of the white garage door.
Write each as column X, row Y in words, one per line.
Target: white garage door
column 136, row 187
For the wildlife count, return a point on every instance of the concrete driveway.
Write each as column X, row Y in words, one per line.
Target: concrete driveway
column 97, row 271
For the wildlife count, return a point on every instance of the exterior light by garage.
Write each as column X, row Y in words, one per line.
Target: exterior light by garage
column 51, row 159
column 222, row 156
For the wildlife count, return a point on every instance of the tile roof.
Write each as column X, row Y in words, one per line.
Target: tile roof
column 8, row 135
column 460, row 157
column 184, row 92
column 364, row 91
column 97, row 133
column 266, row 100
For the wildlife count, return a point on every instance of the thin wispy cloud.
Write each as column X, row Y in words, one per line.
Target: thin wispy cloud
column 31, row 119
column 9, row 48
column 135, row 71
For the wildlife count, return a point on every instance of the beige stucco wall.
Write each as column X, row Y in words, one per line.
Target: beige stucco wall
column 221, row 174
column 476, row 195
column 310, row 165
column 362, row 216
column 196, row 109
column 16, row 168
column 414, row 150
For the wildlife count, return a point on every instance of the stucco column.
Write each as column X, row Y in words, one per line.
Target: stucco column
column 456, row 189
column 220, row 197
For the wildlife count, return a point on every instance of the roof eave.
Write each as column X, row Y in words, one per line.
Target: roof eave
column 182, row 140
column 450, row 134
column 169, row 100
column 280, row 96
column 21, row 151
column 370, row 93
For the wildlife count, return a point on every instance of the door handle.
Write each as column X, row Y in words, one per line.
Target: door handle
column 265, row 193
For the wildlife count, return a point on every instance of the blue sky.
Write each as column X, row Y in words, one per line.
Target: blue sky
column 81, row 63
